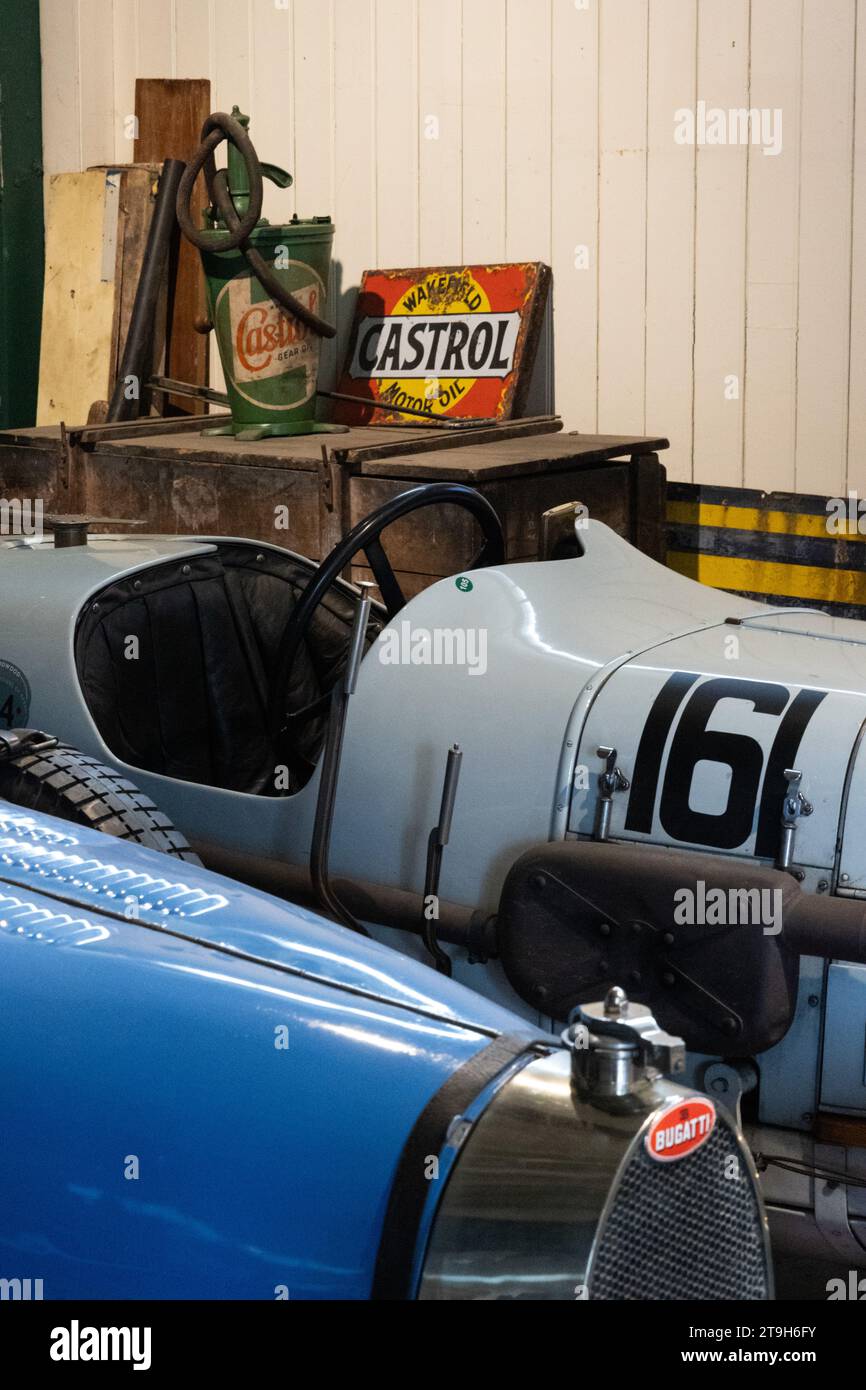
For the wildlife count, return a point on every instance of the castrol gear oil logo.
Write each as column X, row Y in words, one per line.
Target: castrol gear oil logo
column 680, row 1129
column 453, row 341
column 268, row 343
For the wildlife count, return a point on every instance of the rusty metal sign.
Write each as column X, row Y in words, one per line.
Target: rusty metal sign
column 452, row 341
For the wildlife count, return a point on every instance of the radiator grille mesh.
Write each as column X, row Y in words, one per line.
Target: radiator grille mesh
column 683, row 1230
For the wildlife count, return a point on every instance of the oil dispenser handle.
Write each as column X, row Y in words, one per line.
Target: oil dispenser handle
column 276, row 175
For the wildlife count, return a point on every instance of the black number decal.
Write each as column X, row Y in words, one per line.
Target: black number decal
column 693, row 742
column 649, row 752
column 783, row 754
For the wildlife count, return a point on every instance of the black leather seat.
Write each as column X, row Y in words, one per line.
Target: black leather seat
column 177, row 664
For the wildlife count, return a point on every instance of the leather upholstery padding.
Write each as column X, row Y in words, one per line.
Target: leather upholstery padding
column 190, row 698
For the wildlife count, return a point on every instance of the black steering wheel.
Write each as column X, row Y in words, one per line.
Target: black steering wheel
column 366, row 537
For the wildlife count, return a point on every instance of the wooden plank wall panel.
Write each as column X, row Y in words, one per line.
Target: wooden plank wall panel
column 770, row 407
column 857, row 353
column 313, row 127
column 354, row 151
column 395, row 65
column 622, row 216
column 529, row 128
column 124, row 50
column 574, row 212
column 232, row 75
column 272, row 107
column 194, row 38
column 61, row 86
column 156, row 37
column 720, row 248
column 440, row 190
column 528, row 162
column 825, row 246
column 484, row 129
column 312, row 161
column 97, row 83
column 670, row 231
column 761, row 277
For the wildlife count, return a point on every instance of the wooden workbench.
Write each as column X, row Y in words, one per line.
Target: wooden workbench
column 188, row 483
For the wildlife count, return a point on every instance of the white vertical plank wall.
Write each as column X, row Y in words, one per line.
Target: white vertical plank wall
column 721, row 216
column 824, row 311
column 670, row 232
column 709, row 292
column 772, row 240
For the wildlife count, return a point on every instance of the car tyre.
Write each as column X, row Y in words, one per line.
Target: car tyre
column 64, row 782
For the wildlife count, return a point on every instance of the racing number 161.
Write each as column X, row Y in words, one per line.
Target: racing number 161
column 693, row 742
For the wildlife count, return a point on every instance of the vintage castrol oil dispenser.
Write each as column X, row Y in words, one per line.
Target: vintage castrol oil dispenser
column 266, row 287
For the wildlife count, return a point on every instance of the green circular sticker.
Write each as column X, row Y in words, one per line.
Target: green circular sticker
column 14, row 697
column 464, row 585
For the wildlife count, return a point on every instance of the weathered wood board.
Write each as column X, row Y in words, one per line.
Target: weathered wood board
column 78, row 312
column 96, row 226
column 170, row 113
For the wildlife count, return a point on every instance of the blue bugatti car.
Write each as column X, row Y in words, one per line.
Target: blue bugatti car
column 210, row 1093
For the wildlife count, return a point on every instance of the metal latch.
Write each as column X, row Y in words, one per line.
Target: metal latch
column 794, row 806
column 611, row 780
column 14, row 742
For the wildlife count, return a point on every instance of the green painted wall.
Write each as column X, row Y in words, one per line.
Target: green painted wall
column 21, row 225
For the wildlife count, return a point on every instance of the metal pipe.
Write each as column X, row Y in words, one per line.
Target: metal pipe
column 137, row 360
column 396, row 908
column 439, row 837
column 331, row 758
column 448, row 422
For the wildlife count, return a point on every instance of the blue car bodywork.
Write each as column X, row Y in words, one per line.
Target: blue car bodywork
column 206, row 1091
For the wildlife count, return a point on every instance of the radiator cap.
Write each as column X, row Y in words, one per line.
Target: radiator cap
column 617, row 1046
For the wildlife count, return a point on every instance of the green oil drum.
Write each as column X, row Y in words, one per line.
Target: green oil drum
column 270, row 360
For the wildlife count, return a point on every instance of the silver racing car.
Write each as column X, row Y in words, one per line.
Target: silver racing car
column 548, row 778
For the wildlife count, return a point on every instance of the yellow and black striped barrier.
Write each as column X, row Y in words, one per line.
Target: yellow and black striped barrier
column 779, row 547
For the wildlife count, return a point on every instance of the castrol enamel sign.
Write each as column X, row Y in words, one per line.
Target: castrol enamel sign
column 444, row 341
column 680, row 1129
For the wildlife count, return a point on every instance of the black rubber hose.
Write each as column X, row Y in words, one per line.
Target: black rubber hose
column 218, row 127
column 137, row 360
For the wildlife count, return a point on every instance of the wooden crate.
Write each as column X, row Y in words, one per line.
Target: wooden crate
column 194, row 484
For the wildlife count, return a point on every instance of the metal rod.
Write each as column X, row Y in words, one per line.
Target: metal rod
column 439, row 837
column 147, row 424
column 445, row 421
column 170, row 387
column 330, row 775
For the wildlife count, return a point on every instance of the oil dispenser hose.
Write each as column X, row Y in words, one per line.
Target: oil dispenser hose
column 218, row 127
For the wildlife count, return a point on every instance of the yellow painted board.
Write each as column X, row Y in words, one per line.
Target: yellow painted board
column 772, row 578
column 78, row 305
column 756, row 519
